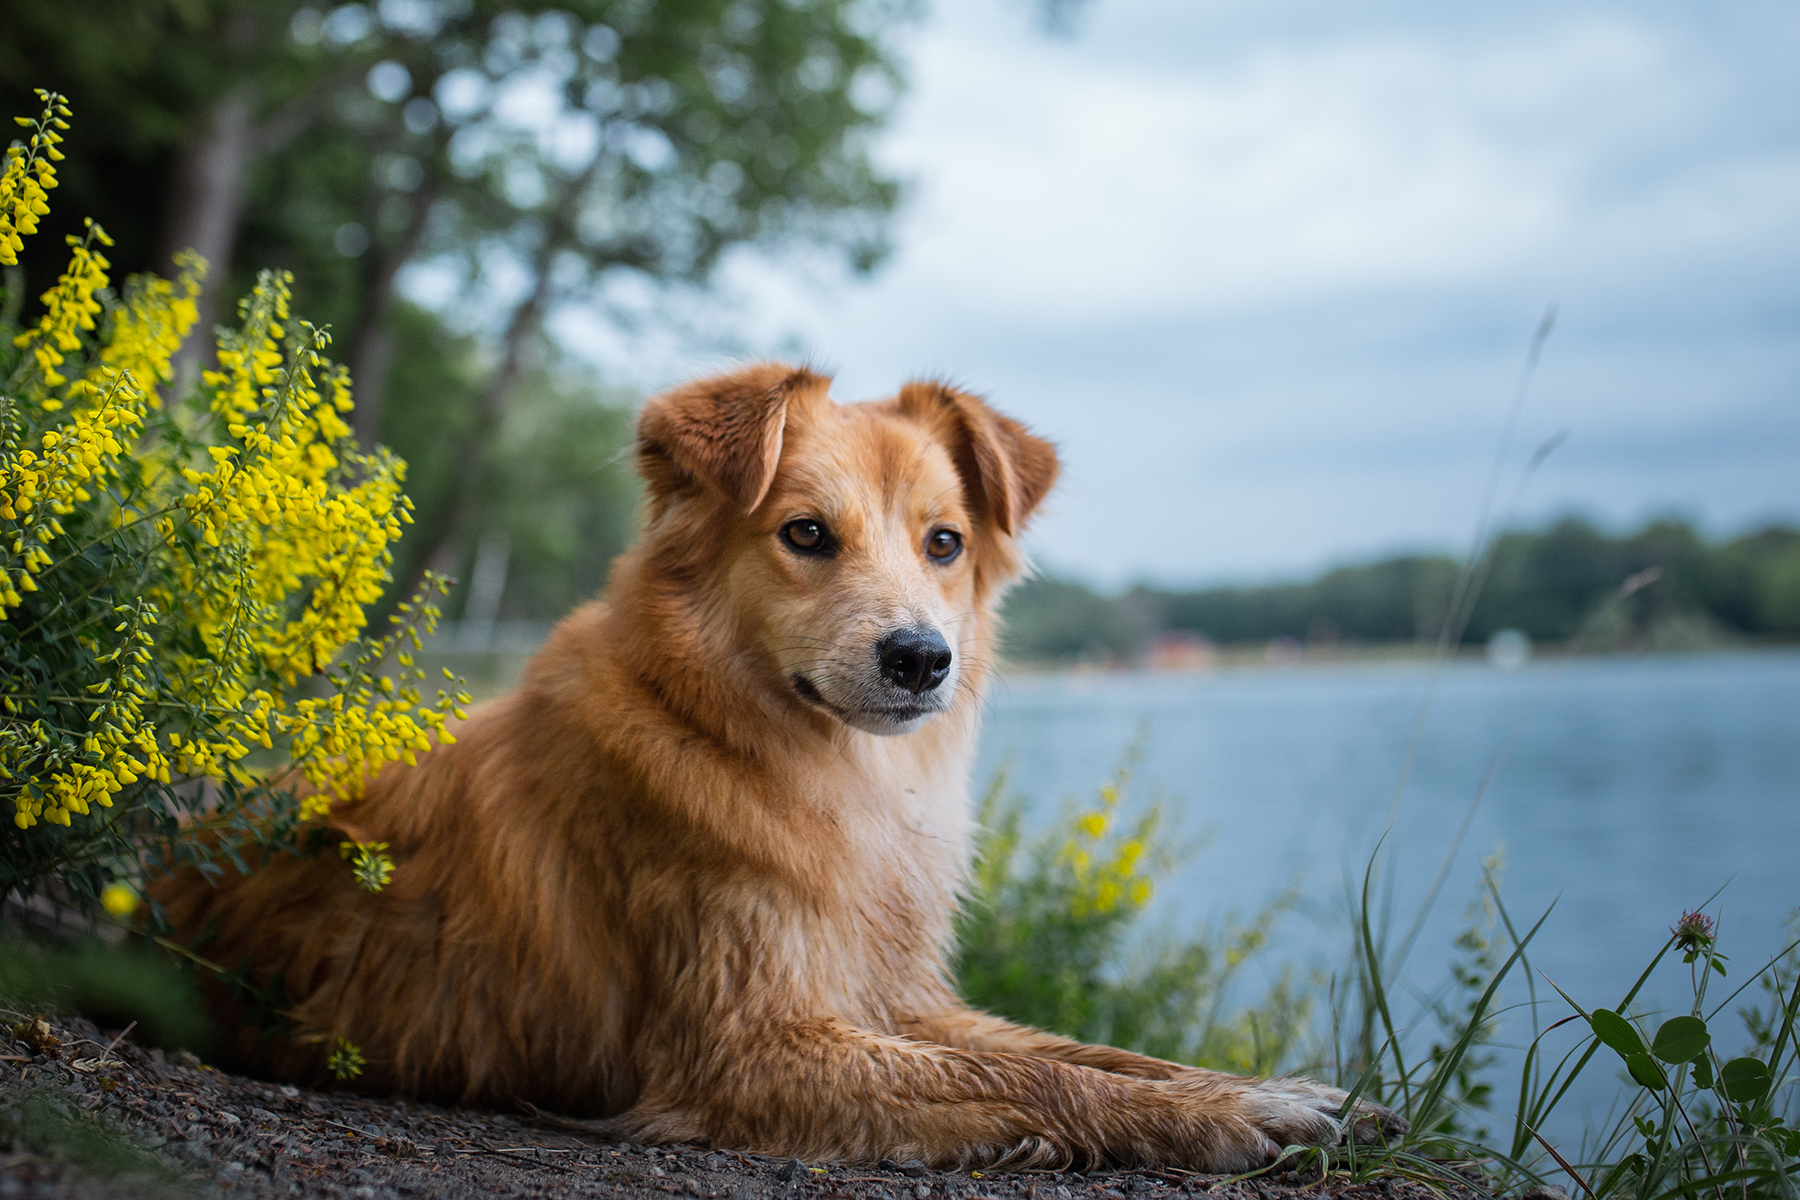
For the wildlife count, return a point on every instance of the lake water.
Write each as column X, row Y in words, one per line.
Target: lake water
column 1633, row 788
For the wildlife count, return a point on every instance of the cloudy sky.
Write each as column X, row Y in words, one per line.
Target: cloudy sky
column 1266, row 270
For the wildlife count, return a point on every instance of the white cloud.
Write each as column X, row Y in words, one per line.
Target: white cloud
column 1291, row 174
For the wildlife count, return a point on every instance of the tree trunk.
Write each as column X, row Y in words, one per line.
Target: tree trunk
column 372, row 348
column 205, row 206
column 442, row 550
column 440, row 535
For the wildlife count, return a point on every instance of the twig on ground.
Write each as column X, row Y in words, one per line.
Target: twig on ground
column 114, row 1044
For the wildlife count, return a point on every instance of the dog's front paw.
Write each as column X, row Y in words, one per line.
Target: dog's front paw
column 1294, row 1112
column 1242, row 1124
column 1299, row 1112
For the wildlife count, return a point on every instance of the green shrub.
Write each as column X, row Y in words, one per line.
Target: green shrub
column 1050, row 936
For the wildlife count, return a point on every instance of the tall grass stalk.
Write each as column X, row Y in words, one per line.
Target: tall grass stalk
column 1691, row 1120
column 1475, row 565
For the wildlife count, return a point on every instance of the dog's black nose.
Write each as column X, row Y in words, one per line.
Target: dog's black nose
column 916, row 659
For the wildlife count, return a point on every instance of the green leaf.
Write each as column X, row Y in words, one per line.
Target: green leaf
column 1745, row 1079
column 1681, row 1039
column 1703, row 1075
column 1616, row 1032
column 1643, row 1068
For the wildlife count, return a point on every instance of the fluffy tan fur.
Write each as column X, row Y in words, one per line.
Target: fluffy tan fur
column 697, row 873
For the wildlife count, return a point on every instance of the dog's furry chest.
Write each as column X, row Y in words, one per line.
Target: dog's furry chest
column 903, row 832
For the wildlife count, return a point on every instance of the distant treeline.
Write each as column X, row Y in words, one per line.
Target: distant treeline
column 1546, row 583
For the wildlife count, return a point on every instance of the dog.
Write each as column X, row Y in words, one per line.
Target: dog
column 697, row 874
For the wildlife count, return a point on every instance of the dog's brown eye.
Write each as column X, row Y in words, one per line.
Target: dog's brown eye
column 944, row 544
column 807, row 536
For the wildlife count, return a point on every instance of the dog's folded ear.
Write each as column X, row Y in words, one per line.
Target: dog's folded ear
column 1006, row 470
column 723, row 431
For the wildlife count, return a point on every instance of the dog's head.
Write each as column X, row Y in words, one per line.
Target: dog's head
column 854, row 551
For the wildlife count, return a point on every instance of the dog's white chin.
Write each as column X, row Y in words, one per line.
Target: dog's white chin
column 895, row 720
column 886, row 724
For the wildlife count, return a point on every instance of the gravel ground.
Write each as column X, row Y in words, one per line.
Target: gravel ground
column 85, row 1115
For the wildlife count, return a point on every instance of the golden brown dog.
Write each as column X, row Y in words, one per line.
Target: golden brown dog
column 698, row 871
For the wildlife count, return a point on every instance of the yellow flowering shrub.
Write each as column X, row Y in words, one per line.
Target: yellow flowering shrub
column 184, row 574
column 1102, row 875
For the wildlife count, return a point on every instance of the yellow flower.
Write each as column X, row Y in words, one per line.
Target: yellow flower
column 369, row 862
column 346, row 1061
column 28, row 174
column 118, row 899
column 69, row 306
column 149, row 327
column 262, row 535
column 1102, row 880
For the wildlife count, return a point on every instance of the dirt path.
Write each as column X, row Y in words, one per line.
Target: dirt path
column 84, row 1116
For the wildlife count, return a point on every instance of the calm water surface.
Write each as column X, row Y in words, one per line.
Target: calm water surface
column 1632, row 789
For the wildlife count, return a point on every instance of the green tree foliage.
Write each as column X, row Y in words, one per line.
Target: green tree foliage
column 1775, row 589
column 1544, row 582
column 1050, row 618
column 561, row 493
column 1391, row 601
column 667, row 130
column 557, row 489
column 534, row 153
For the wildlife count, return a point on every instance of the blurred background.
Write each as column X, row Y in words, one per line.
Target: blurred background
column 1267, row 273
column 1362, row 331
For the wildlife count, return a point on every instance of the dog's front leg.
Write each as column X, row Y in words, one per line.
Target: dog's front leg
column 823, row 1089
column 971, row 1029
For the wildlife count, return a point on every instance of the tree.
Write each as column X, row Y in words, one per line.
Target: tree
column 1549, row 583
column 531, row 151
